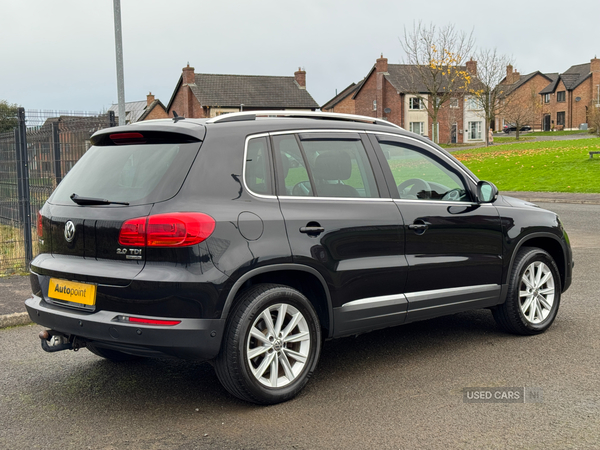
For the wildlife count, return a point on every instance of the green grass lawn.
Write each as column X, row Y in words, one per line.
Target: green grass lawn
column 507, row 139
column 556, row 133
column 550, row 166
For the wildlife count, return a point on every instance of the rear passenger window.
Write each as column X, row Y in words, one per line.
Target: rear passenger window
column 325, row 167
column 258, row 173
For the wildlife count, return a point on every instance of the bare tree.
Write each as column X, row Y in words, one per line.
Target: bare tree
column 523, row 110
column 435, row 56
column 488, row 92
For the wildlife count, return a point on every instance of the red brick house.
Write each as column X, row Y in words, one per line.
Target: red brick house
column 154, row 109
column 344, row 101
column 567, row 99
column 518, row 90
column 392, row 91
column 202, row 95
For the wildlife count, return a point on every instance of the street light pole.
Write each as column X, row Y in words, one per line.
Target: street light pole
column 119, row 53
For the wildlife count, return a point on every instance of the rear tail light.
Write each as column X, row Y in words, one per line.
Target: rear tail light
column 40, row 229
column 167, row 230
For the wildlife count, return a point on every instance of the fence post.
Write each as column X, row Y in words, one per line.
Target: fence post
column 23, row 184
column 112, row 122
column 56, row 151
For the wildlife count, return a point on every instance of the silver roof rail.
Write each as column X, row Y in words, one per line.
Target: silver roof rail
column 252, row 115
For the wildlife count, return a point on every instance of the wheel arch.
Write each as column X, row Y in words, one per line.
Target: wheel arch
column 549, row 243
column 304, row 279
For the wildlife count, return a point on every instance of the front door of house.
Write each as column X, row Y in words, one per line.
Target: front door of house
column 453, row 134
column 547, row 122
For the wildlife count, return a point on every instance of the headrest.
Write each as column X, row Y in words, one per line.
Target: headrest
column 333, row 165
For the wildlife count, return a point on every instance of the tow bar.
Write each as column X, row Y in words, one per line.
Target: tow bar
column 53, row 341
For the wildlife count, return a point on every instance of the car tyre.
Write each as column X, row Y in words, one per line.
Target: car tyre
column 533, row 295
column 111, row 355
column 271, row 347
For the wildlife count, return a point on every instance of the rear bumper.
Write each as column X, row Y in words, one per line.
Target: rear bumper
column 198, row 339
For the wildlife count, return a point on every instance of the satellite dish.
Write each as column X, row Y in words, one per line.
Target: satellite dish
column 387, row 110
column 577, row 99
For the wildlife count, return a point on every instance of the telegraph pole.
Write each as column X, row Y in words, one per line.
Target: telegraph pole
column 119, row 53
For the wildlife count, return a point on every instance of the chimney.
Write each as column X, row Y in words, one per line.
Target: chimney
column 509, row 74
column 149, row 99
column 300, row 76
column 381, row 65
column 472, row 67
column 188, row 75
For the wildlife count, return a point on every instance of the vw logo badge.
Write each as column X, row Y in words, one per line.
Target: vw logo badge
column 69, row 231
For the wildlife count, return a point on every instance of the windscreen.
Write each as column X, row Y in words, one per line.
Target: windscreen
column 133, row 174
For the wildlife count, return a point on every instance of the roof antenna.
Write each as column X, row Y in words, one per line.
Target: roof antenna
column 177, row 118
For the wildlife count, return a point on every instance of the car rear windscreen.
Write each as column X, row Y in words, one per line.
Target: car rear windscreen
column 133, row 174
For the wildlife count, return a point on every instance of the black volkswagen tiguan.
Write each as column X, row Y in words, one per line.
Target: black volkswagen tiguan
column 250, row 238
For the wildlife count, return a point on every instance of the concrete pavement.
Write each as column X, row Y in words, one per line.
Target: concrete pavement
column 16, row 289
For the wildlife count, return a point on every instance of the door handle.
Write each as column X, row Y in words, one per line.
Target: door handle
column 419, row 226
column 312, row 230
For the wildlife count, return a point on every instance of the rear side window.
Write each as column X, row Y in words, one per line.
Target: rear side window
column 258, row 170
column 135, row 174
column 325, row 166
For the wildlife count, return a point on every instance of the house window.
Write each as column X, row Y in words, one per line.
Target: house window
column 453, row 103
column 560, row 118
column 415, row 103
column 560, row 96
column 474, row 130
column 472, row 103
column 417, row 127
column 546, row 98
column 374, row 105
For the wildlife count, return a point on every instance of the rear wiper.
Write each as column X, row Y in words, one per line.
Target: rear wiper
column 94, row 201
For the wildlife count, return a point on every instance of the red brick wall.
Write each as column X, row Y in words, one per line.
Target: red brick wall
column 364, row 100
column 554, row 106
column 186, row 104
column 157, row 113
column 346, row 106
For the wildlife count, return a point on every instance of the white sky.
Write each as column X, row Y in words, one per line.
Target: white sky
column 60, row 55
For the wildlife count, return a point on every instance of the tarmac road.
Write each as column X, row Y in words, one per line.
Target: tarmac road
column 396, row 388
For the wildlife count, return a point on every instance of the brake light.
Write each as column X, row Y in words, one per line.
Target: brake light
column 167, row 230
column 127, row 138
column 40, row 230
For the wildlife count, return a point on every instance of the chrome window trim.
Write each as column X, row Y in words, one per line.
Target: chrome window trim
column 441, row 202
column 248, row 138
column 362, row 199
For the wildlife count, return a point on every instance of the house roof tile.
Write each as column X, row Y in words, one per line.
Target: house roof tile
column 253, row 91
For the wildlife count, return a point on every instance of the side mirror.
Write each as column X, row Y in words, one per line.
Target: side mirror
column 486, row 192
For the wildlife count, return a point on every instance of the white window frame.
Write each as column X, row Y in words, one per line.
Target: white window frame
column 421, row 103
column 420, row 125
column 454, row 103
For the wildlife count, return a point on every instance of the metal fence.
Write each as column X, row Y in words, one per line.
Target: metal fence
column 34, row 157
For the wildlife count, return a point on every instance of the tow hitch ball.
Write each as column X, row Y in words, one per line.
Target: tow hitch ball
column 53, row 341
